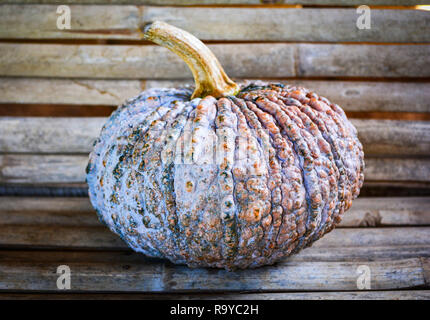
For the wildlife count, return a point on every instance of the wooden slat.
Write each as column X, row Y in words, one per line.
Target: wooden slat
column 265, row 60
column 65, row 91
column 159, row 277
column 61, row 169
column 365, row 212
column 76, row 135
column 362, row 60
column 351, row 95
column 388, row 211
column 232, row 24
column 101, row 238
column 348, row 295
column 225, row 2
column 398, row 169
column 390, row 137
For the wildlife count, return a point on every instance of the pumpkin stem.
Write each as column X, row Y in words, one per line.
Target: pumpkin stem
column 209, row 76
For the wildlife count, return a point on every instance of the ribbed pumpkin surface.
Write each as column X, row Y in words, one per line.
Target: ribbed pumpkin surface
column 234, row 182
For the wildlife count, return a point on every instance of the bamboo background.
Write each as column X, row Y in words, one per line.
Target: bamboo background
column 58, row 86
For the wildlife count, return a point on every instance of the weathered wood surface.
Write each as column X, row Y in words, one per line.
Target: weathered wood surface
column 46, row 169
column 365, row 212
column 161, row 277
column 220, row 24
column 76, row 135
column 258, row 60
column 351, row 95
column 227, row 2
column 387, row 211
column 100, row 237
column 347, row 295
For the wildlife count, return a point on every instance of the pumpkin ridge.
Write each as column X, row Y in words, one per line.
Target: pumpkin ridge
column 301, row 149
column 333, row 123
column 327, row 133
column 272, row 184
column 197, row 179
column 282, row 144
column 318, row 195
column 111, row 158
column 324, row 168
column 266, row 216
column 178, row 159
column 252, row 205
column 151, row 184
column 226, row 130
column 279, row 146
column 142, row 143
column 167, row 178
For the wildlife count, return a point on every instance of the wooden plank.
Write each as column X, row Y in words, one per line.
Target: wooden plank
column 225, row 2
column 65, row 91
column 76, row 135
column 62, row 169
column 361, row 60
column 390, row 137
column 263, row 60
column 219, row 24
column 398, row 169
column 131, row 62
column 365, row 212
column 101, row 238
column 138, row 277
column 388, row 211
column 348, row 295
column 40, row 22
column 42, row 169
column 351, row 95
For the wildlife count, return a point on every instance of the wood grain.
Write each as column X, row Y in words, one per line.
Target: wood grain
column 76, row 135
column 160, row 277
column 351, row 95
column 263, row 60
column 219, row 24
column 365, row 212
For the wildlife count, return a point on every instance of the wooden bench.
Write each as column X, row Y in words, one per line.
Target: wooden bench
column 58, row 86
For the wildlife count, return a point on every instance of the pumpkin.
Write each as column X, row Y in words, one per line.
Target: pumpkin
column 227, row 176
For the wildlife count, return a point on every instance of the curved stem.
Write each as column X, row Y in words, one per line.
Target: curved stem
column 209, row 76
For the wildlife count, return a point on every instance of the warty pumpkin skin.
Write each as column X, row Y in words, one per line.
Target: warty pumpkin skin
column 231, row 180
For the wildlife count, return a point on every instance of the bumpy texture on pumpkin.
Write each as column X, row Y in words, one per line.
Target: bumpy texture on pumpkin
column 232, row 183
